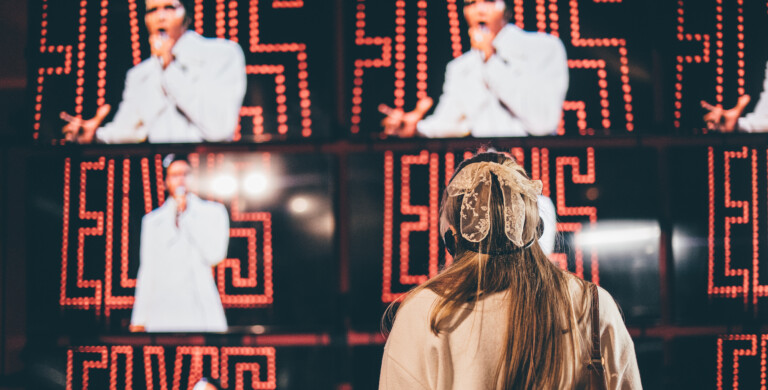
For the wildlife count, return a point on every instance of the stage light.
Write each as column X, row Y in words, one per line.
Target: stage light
column 619, row 234
column 256, row 184
column 224, row 185
column 299, row 205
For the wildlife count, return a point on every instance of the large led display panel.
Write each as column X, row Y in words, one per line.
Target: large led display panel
column 111, row 228
column 399, row 51
column 120, row 366
column 315, row 69
column 82, row 51
column 725, row 361
column 719, row 197
column 606, row 201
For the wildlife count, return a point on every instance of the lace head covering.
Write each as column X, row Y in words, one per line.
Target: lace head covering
column 474, row 182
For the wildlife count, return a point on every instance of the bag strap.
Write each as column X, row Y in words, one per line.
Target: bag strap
column 596, row 361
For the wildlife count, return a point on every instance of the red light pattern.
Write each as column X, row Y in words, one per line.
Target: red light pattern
column 134, row 22
column 621, row 46
column 125, row 282
column 113, row 371
column 399, row 53
column 602, row 83
column 221, row 360
column 241, row 367
column 287, row 3
column 518, row 11
column 747, row 213
column 220, row 19
column 748, row 340
column 149, row 351
column 87, row 364
column 256, row 46
column 233, row 31
column 256, row 112
column 428, row 214
column 42, row 72
column 84, row 293
column 196, row 369
column 199, row 16
column 453, row 22
column 427, row 222
column 385, row 61
column 98, row 230
column 585, row 211
column 160, row 181
column 581, row 115
column 80, row 59
column 389, row 193
column 102, row 82
column 704, row 55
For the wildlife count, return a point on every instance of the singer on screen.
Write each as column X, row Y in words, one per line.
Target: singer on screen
column 180, row 242
column 512, row 83
column 190, row 89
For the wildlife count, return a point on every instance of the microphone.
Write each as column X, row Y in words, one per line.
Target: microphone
column 163, row 37
column 481, row 31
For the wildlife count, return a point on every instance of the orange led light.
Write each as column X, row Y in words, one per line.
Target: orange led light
column 453, row 22
column 196, row 367
column 427, row 221
column 100, row 364
column 222, row 361
column 253, row 368
column 621, row 45
column 747, row 214
column 586, row 211
column 42, row 72
column 739, row 339
column 384, row 61
column 256, row 46
column 154, row 350
column 256, row 112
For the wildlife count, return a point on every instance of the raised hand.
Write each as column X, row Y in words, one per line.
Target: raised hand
column 403, row 124
column 721, row 120
column 83, row 130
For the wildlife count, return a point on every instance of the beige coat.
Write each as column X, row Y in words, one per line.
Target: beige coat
column 466, row 357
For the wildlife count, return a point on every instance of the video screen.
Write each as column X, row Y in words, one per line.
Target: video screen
column 293, row 70
column 607, row 225
column 199, row 242
column 180, row 71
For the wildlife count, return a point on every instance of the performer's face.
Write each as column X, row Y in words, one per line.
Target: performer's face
column 177, row 176
column 167, row 16
column 488, row 13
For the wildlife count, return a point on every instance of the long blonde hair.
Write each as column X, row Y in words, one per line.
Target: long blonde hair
column 543, row 344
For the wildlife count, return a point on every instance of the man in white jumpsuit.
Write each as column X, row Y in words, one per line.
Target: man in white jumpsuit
column 511, row 84
column 180, row 242
column 190, row 89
